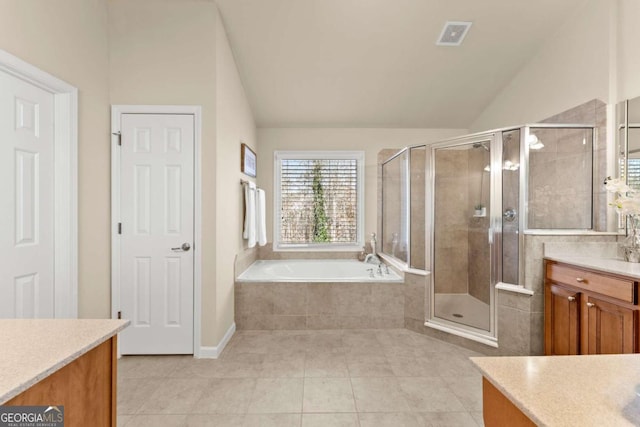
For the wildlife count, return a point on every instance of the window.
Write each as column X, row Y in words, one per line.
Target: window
column 319, row 200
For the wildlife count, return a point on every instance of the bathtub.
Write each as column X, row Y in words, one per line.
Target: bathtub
column 315, row 270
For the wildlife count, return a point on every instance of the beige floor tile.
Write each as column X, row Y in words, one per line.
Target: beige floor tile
column 276, row 395
column 449, row 419
column 369, row 366
column 477, row 416
column 158, row 420
column 196, row 368
column 272, row 420
column 391, row 377
column 123, row 420
column 288, row 365
column 429, row 395
column 451, row 364
column 243, row 365
column 468, row 390
column 367, row 338
column 326, row 364
column 330, row 420
column 398, row 419
column 379, row 395
column 149, row 366
column 412, row 367
column 259, row 342
column 134, row 392
column 226, row 396
column 214, row 420
column 175, row 396
column 324, row 340
column 328, row 395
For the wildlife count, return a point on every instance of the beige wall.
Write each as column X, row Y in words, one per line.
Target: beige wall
column 571, row 68
column 163, row 52
column 235, row 124
column 628, row 44
column 177, row 52
column 68, row 39
column 368, row 140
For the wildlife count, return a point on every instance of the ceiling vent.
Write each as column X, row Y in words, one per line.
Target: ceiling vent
column 453, row 33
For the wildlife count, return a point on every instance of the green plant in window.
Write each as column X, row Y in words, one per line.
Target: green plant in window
column 320, row 220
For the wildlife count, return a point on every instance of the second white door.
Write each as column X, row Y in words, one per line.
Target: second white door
column 156, row 234
column 27, row 255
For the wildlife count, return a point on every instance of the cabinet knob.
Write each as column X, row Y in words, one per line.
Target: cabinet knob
column 571, row 299
column 590, row 304
column 580, row 280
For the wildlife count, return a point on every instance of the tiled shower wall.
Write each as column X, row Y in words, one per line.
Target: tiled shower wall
column 590, row 113
column 453, row 208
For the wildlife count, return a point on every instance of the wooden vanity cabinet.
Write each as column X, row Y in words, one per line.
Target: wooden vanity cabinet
column 589, row 312
column 609, row 328
column 562, row 320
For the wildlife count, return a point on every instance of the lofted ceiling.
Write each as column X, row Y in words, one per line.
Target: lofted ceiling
column 374, row 63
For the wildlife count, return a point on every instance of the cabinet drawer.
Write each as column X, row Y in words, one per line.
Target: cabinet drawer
column 615, row 287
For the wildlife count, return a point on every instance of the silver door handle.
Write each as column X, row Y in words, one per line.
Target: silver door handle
column 185, row 247
column 509, row 214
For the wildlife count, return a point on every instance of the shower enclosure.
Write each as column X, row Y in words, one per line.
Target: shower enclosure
column 488, row 190
column 404, row 222
column 481, row 194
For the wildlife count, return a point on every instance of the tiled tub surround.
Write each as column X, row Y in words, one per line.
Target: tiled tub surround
column 273, row 305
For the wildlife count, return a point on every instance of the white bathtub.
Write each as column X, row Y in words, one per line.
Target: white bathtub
column 312, row 270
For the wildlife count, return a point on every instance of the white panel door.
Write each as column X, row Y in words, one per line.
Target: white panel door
column 27, row 200
column 156, row 213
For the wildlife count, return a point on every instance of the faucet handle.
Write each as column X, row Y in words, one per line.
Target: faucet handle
column 370, row 270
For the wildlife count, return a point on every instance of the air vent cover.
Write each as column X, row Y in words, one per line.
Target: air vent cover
column 453, row 33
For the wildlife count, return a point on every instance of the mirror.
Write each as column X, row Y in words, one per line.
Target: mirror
column 633, row 142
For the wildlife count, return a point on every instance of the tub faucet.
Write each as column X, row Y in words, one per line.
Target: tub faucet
column 371, row 259
column 386, row 268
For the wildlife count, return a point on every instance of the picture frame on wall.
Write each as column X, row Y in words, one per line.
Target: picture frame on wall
column 248, row 160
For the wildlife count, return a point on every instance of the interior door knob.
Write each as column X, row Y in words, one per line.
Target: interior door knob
column 185, row 247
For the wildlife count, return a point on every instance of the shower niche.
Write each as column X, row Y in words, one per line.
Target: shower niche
column 459, row 210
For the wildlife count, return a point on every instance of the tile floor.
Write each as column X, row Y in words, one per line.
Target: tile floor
column 325, row 378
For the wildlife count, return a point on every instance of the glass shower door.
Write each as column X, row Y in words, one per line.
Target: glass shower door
column 462, row 244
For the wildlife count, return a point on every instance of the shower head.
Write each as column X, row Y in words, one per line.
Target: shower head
column 480, row 144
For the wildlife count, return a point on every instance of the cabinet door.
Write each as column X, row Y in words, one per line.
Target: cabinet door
column 561, row 320
column 611, row 328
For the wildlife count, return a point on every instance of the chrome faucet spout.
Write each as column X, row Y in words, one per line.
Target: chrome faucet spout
column 371, row 259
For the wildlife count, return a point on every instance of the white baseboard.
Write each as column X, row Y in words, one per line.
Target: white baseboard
column 214, row 352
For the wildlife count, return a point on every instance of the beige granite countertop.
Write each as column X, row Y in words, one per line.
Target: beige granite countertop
column 609, row 265
column 602, row 390
column 33, row 349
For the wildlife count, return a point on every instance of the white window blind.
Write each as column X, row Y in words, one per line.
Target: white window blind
column 319, row 199
column 633, row 177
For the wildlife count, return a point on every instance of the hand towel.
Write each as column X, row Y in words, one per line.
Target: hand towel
column 245, row 227
column 261, row 217
column 250, row 215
